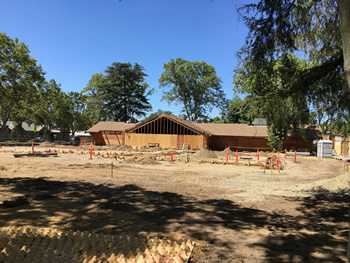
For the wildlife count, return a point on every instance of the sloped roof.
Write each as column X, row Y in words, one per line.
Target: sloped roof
column 111, row 126
column 233, row 129
column 188, row 124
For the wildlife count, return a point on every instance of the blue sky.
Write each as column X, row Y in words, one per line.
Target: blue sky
column 73, row 40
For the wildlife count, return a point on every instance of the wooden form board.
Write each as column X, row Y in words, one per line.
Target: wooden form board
column 164, row 140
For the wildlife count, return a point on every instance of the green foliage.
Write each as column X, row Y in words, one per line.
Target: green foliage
column 158, row 112
column 94, row 107
column 327, row 99
column 242, row 110
column 194, row 85
column 73, row 112
column 320, row 29
column 48, row 108
column 120, row 94
column 341, row 127
column 20, row 77
column 271, row 95
column 216, row 120
column 280, row 27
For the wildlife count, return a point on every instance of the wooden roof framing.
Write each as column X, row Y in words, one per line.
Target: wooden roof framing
column 166, row 124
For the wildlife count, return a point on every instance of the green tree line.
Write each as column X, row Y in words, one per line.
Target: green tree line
column 285, row 90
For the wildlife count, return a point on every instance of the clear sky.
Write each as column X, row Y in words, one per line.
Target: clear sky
column 74, row 39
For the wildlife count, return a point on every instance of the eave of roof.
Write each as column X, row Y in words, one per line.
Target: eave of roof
column 110, row 126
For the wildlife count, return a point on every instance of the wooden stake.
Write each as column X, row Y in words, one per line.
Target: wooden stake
column 236, row 156
column 32, row 146
column 258, row 154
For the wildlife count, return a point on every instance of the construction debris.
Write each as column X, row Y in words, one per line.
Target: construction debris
column 26, row 244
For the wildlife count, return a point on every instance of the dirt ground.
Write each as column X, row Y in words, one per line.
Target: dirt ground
column 233, row 213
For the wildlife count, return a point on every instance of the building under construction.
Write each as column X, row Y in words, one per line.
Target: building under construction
column 168, row 131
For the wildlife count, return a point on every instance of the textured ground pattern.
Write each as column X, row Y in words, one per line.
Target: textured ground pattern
column 49, row 245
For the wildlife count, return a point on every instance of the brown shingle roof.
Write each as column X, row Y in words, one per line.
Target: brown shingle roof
column 110, row 126
column 233, row 129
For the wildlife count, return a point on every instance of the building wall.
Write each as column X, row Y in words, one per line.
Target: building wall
column 299, row 144
column 98, row 139
column 101, row 138
column 237, row 143
column 165, row 140
column 252, row 143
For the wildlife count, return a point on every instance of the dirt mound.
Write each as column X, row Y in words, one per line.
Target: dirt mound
column 340, row 182
column 148, row 160
column 143, row 160
column 224, row 153
column 205, row 153
column 2, row 168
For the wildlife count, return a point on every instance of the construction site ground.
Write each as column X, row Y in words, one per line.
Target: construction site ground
column 233, row 213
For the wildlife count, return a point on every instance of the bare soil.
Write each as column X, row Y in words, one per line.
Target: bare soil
column 233, row 213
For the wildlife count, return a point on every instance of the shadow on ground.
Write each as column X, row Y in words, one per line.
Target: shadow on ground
column 218, row 226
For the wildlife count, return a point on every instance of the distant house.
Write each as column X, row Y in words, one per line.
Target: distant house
column 27, row 131
column 169, row 131
column 22, row 133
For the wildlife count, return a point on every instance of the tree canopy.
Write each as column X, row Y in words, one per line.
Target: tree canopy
column 20, row 77
column 194, row 85
column 158, row 112
column 271, row 95
column 120, row 94
column 320, row 29
column 242, row 110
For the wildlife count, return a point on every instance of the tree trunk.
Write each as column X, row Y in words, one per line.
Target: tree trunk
column 344, row 12
column 3, row 130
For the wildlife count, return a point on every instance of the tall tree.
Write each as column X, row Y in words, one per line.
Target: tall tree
column 194, row 85
column 47, row 113
column 273, row 95
column 94, row 104
column 321, row 29
column 125, row 91
column 121, row 93
column 78, row 119
column 20, row 76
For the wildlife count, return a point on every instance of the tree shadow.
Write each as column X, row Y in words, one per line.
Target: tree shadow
column 318, row 234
